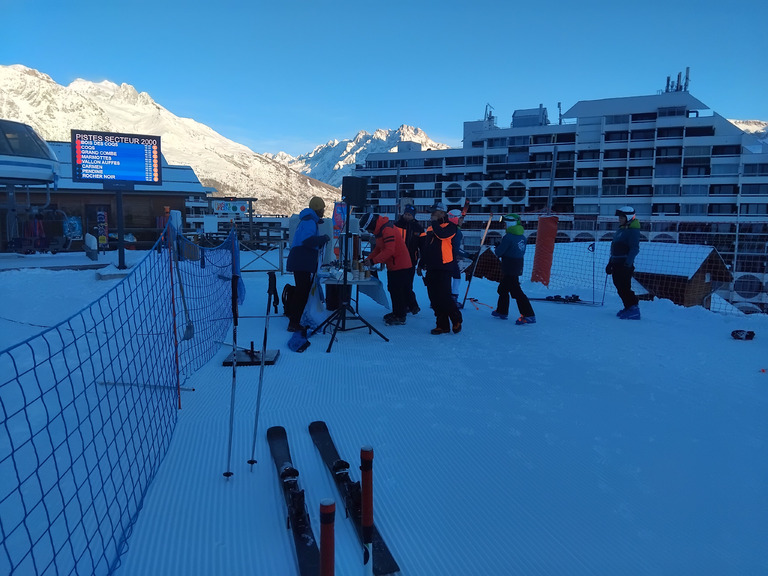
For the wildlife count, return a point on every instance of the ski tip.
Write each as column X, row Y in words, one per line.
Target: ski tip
column 318, row 425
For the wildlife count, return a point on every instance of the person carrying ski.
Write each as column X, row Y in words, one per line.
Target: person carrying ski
column 411, row 230
column 390, row 250
column 457, row 218
column 302, row 259
column 438, row 260
column 511, row 250
column 625, row 246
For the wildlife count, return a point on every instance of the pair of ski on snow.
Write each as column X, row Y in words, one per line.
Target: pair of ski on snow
column 307, row 552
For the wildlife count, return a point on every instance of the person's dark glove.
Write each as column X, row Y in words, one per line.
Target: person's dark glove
column 609, row 268
column 420, row 271
column 324, row 239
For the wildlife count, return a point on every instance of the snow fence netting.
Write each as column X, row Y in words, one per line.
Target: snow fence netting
column 89, row 407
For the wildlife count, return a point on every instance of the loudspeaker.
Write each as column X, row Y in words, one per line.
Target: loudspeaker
column 355, row 191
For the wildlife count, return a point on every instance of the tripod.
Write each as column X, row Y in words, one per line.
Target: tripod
column 338, row 319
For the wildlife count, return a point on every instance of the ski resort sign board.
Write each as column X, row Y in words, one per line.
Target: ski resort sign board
column 114, row 158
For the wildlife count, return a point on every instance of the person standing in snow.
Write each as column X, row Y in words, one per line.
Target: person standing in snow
column 390, row 250
column 625, row 246
column 456, row 218
column 302, row 259
column 511, row 250
column 438, row 260
column 411, row 231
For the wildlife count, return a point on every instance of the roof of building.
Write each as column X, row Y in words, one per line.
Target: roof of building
column 634, row 104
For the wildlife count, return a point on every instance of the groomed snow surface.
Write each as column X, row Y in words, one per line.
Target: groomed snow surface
column 581, row 445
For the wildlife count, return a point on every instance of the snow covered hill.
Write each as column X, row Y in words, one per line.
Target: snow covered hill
column 332, row 161
column 756, row 127
column 34, row 98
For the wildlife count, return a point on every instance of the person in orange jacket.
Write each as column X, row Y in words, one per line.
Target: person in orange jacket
column 390, row 250
column 437, row 258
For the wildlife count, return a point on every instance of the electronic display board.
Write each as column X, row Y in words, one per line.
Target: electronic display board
column 110, row 157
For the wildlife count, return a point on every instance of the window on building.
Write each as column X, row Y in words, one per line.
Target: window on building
column 667, row 170
column 665, row 208
column 694, row 131
column 516, row 192
column 587, row 172
column 693, row 171
column 672, row 111
column 618, row 172
column 716, row 209
column 589, row 154
column 670, row 132
column 455, row 161
column 669, row 151
column 496, row 159
column 638, row 153
column 474, row 192
column 586, row 190
column 644, row 117
column 519, row 140
column 476, row 160
column 697, row 151
column 614, row 190
column 638, row 135
column 725, row 170
column 723, row 189
column 619, row 136
column 640, row 171
column 692, row 209
column 497, row 142
column 615, row 154
column 477, row 143
column 617, row 119
column 645, row 190
column 565, row 138
column 755, row 169
column 695, row 190
column 754, row 210
column 585, row 209
column 541, row 139
column 666, row 190
column 433, row 162
column 754, row 189
column 732, row 150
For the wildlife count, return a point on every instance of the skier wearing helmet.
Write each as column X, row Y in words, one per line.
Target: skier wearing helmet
column 624, row 248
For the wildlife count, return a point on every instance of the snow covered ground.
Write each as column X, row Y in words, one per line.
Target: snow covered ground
column 582, row 444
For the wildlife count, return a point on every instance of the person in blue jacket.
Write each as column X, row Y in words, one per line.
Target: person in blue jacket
column 302, row 259
column 624, row 248
column 511, row 250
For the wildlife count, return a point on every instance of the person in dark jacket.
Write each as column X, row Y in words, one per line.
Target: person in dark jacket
column 391, row 251
column 411, row 231
column 512, row 251
column 437, row 259
column 625, row 246
column 303, row 258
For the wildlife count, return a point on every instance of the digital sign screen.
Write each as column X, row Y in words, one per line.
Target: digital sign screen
column 110, row 157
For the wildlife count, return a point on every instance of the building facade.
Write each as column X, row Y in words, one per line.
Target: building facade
column 692, row 176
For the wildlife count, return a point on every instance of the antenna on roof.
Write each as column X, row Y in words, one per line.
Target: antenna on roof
column 687, row 78
column 560, row 113
column 488, row 113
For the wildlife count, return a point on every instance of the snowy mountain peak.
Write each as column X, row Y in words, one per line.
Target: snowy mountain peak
column 34, row 98
column 336, row 159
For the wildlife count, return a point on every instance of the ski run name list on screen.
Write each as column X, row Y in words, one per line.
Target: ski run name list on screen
column 101, row 156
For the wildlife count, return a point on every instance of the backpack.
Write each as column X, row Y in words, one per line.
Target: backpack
column 286, row 298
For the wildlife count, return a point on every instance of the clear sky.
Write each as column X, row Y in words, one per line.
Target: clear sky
column 289, row 75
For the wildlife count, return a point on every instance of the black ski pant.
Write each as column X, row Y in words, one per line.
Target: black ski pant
column 510, row 286
column 622, row 279
column 411, row 299
column 399, row 287
column 300, row 295
column 439, row 291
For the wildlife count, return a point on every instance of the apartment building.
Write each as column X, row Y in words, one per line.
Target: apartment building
column 692, row 176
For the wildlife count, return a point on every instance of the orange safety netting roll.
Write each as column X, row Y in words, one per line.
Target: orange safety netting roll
column 545, row 249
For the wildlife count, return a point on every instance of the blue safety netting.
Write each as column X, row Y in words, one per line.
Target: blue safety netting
column 89, row 407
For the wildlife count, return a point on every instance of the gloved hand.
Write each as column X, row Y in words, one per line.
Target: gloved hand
column 420, row 271
column 324, row 239
column 609, row 268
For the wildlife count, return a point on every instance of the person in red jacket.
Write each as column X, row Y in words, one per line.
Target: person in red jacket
column 390, row 250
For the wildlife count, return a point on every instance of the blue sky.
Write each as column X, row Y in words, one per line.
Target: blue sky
column 294, row 74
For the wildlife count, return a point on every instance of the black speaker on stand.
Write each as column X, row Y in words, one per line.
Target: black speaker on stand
column 353, row 193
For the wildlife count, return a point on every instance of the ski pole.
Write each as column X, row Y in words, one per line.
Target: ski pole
column 235, row 280
column 271, row 292
column 366, row 468
column 327, row 538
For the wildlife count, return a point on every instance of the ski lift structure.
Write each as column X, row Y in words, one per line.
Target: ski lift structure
column 26, row 160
